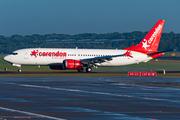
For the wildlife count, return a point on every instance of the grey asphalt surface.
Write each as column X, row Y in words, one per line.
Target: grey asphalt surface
column 89, row 98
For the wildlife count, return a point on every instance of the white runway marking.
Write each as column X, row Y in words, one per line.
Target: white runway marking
column 117, row 115
column 33, row 114
column 101, row 93
column 83, row 109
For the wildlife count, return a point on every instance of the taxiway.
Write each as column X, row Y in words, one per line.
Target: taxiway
column 89, row 98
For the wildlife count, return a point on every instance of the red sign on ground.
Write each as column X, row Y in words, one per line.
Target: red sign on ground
column 134, row 74
column 148, row 74
column 142, row 74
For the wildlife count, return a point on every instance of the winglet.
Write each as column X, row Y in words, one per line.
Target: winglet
column 128, row 53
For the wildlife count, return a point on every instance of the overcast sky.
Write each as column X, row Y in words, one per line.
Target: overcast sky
column 27, row 17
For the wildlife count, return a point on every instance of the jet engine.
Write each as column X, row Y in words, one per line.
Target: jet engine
column 72, row 64
column 56, row 67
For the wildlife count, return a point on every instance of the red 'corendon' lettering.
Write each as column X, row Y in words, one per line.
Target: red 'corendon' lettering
column 45, row 54
column 35, row 53
column 40, row 54
column 63, row 54
column 53, row 53
column 57, row 53
column 49, row 54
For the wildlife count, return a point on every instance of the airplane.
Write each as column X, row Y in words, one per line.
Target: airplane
column 78, row 59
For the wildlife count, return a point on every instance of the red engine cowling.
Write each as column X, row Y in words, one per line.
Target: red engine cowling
column 72, row 64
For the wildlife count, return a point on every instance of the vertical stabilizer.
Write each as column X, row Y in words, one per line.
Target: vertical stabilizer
column 150, row 42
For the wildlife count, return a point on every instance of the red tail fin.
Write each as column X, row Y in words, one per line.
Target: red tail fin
column 151, row 41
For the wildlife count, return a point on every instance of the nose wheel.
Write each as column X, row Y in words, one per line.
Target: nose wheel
column 19, row 70
column 88, row 69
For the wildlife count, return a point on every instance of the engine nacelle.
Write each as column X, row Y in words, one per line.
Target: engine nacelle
column 56, row 67
column 72, row 64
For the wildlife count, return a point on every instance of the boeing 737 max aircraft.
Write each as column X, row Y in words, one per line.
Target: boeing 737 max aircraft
column 78, row 59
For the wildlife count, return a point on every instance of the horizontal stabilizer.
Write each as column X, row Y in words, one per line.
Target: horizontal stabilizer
column 159, row 52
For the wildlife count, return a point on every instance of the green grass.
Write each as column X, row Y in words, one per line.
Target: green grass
column 168, row 65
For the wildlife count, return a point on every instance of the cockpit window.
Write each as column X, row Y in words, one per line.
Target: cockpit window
column 13, row 53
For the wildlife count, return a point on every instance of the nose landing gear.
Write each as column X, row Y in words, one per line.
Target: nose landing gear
column 19, row 67
column 19, row 70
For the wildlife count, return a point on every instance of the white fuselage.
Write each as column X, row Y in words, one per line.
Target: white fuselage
column 55, row 56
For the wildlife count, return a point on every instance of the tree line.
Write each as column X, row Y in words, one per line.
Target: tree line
column 7, row 44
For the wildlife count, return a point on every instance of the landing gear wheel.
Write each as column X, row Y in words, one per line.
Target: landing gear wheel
column 88, row 69
column 81, row 70
column 19, row 70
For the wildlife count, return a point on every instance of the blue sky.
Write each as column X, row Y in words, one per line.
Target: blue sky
column 27, row 17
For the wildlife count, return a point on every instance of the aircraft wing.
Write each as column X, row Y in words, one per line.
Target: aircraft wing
column 104, row 58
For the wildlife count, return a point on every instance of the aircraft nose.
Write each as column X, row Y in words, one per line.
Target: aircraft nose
column 7, row 58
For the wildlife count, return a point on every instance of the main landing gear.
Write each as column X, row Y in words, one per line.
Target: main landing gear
column 88, row 69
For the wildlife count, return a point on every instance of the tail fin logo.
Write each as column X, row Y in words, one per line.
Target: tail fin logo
column 151, row 41
column 147, row 43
